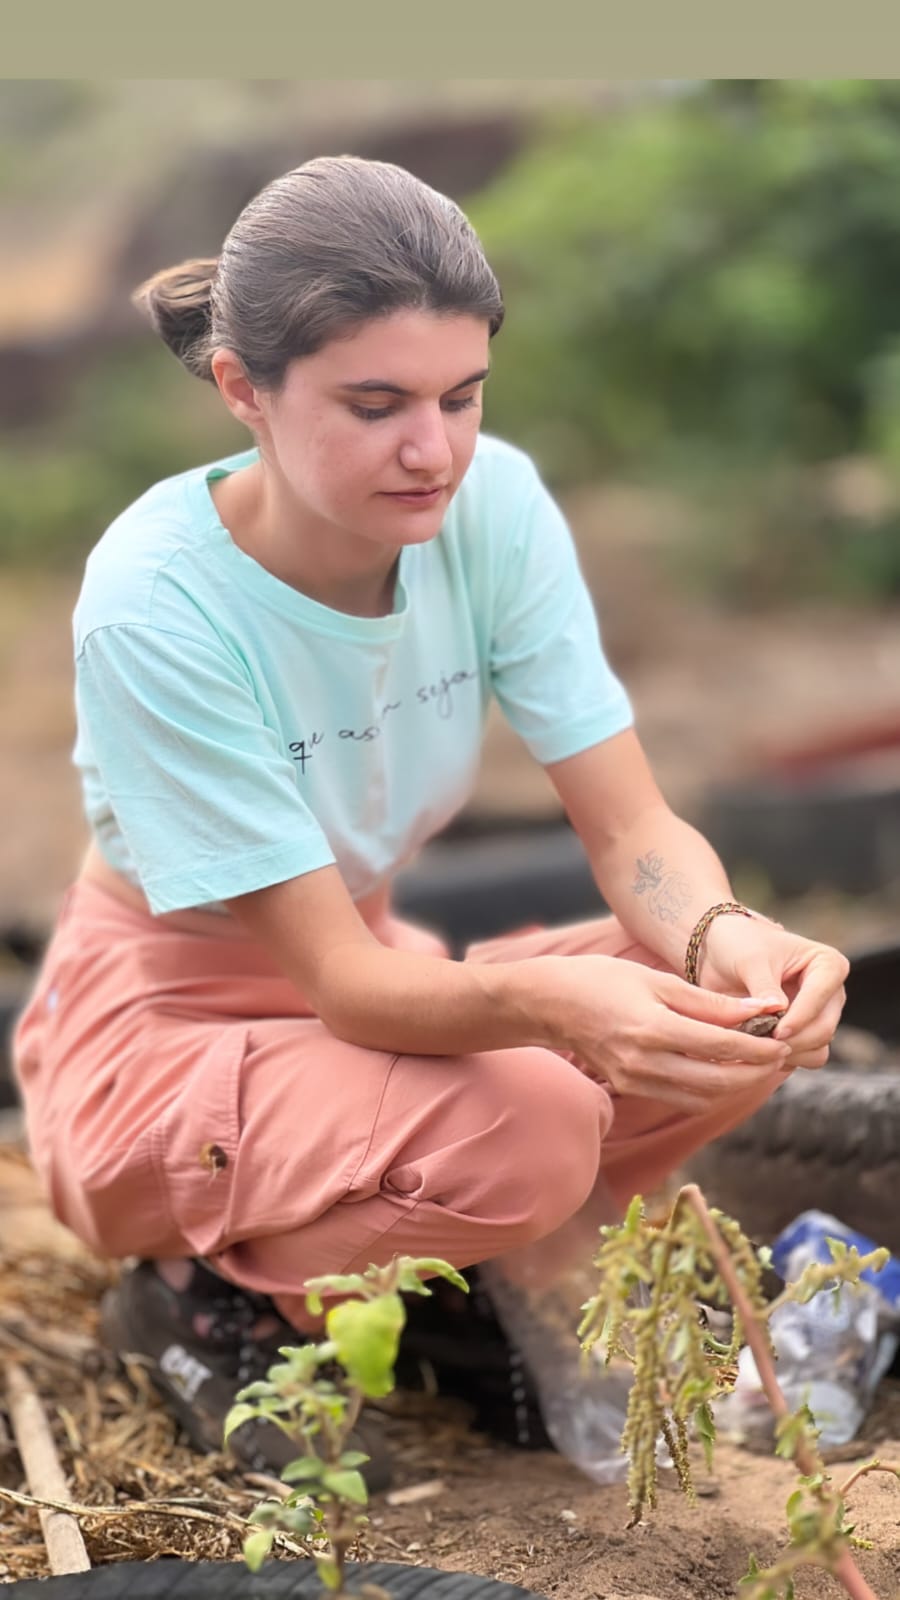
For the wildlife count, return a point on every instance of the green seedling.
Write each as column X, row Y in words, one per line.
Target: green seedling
column 646, row 1311
column 315, row 1396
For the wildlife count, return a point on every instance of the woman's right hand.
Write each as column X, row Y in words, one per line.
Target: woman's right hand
column 649, row 1033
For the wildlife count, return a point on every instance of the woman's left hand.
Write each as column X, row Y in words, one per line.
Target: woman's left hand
column 750, row 955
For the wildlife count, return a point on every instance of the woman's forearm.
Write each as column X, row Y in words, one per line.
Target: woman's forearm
column 658, row 878
column 390, row 999
column 414, row 1004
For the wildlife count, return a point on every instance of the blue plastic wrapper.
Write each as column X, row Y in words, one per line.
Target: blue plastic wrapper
column 806, row 1239
column 832, row 1352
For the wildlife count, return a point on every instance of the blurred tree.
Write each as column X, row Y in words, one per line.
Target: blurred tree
column 709, row 277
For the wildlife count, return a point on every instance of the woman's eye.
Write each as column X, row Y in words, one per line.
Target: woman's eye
column 372, row 413
column 378, row 413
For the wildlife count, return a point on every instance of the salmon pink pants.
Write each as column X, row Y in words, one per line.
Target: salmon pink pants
column 182, row 1100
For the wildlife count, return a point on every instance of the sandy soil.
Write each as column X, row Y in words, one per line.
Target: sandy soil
column 537, row 1521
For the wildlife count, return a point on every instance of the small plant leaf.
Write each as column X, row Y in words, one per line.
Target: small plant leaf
column 254, row 1391
column 303, row 1470
column 257, row 1546
column 794, row 1502
column 366, row 1334
column 297, row 1519
column 351, row 1283
column 353, row 1458
column 346, row 1486
column 266, row 1513
column 435, row 1267
column 236, row 1417
column 792, row 1429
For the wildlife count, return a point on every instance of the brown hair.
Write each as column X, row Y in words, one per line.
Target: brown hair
column 318, row 251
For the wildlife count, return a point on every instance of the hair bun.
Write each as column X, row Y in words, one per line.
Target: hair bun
column 178, row 303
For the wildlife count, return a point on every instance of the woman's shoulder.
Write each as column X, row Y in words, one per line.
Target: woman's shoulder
column 500, row 485
column 171, row 529
column 501, row 478
column 496, row 460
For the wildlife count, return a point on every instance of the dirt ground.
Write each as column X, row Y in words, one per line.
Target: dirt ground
column 459, row 1502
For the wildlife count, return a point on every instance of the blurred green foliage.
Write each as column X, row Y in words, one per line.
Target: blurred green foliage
column 704, row 292
column 717, row 272
column 701, row 291
column 136, row 417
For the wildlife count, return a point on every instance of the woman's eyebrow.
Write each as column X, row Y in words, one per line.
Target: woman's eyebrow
column 381, row 386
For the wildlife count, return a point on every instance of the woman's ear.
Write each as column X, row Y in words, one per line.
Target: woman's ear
column 239, row 394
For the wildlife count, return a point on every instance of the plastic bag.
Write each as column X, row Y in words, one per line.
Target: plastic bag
column 832, row 1352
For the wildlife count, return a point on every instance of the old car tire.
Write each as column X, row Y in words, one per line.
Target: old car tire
column 826, row 1140
column 479, row 887
column 277, row 1580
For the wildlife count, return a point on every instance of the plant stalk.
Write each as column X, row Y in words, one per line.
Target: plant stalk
column 845, row 1568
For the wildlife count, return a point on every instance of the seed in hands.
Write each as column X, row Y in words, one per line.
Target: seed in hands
column 762, row 1025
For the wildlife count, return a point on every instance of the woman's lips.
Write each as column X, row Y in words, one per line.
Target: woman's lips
column 417, row 497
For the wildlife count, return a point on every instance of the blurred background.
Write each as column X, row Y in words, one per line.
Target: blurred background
column 702, row 351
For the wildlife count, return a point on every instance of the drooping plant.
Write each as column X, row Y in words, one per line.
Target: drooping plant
column 646, row 1311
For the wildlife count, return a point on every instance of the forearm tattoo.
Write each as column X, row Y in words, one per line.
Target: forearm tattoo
column 668, row 893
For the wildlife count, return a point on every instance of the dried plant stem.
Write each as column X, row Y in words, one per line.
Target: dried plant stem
column 845, row 1568
column 153, row 1508
column 66, row 1550
column 861, row 1471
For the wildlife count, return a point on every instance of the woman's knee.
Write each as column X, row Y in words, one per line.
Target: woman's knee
column 548, row 1152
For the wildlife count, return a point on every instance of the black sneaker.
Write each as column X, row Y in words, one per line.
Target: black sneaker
column 456, row 1342
column 198, row 1376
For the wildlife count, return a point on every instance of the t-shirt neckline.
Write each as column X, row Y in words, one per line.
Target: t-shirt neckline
column 266, row 586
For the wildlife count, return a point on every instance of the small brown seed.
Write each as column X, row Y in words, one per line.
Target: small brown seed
column 761, row 1026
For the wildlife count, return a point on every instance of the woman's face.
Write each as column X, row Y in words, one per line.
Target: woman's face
column 374, row 433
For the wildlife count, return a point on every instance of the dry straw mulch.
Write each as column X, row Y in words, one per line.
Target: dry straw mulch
column 117, row 1444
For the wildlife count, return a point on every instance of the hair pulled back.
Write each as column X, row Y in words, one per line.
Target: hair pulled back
column 319, row 251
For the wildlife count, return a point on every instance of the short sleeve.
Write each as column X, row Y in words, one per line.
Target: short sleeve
column 548, row 668
column 205, row 798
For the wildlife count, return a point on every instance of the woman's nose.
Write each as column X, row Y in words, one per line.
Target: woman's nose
column 427, row 448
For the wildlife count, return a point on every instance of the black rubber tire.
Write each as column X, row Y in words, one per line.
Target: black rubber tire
column 807, row 834
column 826, row 1140
column 873, row 992
column 13, row 995
column 277, row 1580
column 475, row 888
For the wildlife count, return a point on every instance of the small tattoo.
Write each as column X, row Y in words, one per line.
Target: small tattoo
column 668, row 893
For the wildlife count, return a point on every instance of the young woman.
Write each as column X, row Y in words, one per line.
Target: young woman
column 238, row 1065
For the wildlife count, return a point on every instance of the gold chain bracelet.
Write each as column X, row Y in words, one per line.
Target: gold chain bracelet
column 692, row 954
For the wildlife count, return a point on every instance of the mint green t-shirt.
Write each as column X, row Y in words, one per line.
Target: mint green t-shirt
column 233, row 733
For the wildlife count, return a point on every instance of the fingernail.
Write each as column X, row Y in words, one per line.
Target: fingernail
column 782, row 1033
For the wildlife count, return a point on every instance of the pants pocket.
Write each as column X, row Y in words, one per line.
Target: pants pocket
column 167, row 1190
column 195, row 1144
